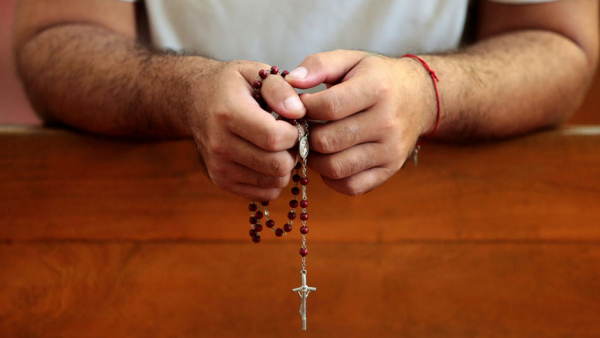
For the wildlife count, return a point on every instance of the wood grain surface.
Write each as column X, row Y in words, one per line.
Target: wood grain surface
column 107, row 238
column 59, row 185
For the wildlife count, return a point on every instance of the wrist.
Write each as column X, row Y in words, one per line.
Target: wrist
column 423, row 93
column 191, row 74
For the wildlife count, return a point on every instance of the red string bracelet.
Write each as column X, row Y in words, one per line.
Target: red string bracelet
column 434, row 79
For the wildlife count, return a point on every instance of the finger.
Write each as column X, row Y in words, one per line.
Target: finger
column 341, row 100
column 272, row 163
column 350, row 161
column 282, row 97
column 242, row 174
column 335, row 136
column 246, row 119
column 255, row 193
column 361, row 182
column 246, row 190
column 328, row 67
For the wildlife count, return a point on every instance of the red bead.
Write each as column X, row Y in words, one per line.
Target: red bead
column 304, row 203
column 291, row 215
column 257, row 96
column 256, row 84
column 298, row 166
column 304, row 216
column 256, row 239
column 252, row 233
column 293, row 204
column 293, row 122
column 279, row 232
column 304, row 181
column 264, row 203
column 263, row 74
column 252, row 220
column 258, row 214
column 285, row 73
column 287, row 227
column 303, row 252
column 296, row 178
column 295, row 191
column 274, row 70
column 270, row 223
column 257, row 227
column 252, row 207
column 304, row 230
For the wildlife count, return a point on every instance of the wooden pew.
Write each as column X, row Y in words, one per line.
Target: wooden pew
column 107, row 238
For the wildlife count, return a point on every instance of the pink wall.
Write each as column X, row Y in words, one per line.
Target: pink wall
column 14, row 108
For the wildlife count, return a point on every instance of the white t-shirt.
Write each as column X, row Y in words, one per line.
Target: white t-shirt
column 283, row 33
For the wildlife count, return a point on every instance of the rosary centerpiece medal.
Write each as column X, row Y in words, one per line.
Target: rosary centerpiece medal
column 299, row 178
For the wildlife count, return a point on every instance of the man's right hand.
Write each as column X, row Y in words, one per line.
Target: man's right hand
column 245, row 150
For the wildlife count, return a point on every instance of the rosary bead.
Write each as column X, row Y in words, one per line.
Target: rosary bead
column 303, row 252
column 304, row 181
column 304, row 230
column 263, row 74
column 293, row 204
column 287, row 227
column 256, row 84
column 304, row 203
column 270, row 223
column 258, row 228
column 252, row 207
column 285, row 73
column 295, row 191
column 304, row 216
column 252, row 232
column 279, row 232
column 291, row 215
column 293, row 122
column 274, row 70
column 252, row 220
column 256, row 239
column 296, row 178
column 257, row 96
column 298, row 166
column 258, row 215
column 264, row 203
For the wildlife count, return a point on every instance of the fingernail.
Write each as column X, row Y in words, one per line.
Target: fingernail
column 299, row 73
column 293, row 103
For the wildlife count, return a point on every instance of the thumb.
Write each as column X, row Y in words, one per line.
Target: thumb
column 328, row 68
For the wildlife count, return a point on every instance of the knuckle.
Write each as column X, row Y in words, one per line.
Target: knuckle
column 219, row 147
column 271, row 182
column 220, row 113
column 268, row 194
column 354, row 190
column 336, row 169
column 322, row 143
column 280, row 168
column 383, row 88
column 272, row 141
column 330, row 107
column 218, row 170
column 387, row 124
column 317, row 59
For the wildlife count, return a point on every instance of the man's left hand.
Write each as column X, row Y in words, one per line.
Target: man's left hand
column 376, row 107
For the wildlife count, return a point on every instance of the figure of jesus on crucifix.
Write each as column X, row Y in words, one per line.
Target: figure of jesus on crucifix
column 303, row 292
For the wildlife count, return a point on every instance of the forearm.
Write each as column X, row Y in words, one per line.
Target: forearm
column 510, row 84
column 96, row 80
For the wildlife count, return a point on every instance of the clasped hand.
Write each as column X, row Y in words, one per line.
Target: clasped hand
column 375, row 107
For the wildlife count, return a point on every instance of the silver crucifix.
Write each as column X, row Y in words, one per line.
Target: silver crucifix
column 303, row 291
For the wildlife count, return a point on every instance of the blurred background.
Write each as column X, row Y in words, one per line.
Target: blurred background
column 14, row 108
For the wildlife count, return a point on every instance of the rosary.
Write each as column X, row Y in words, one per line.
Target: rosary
column 256, row 214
